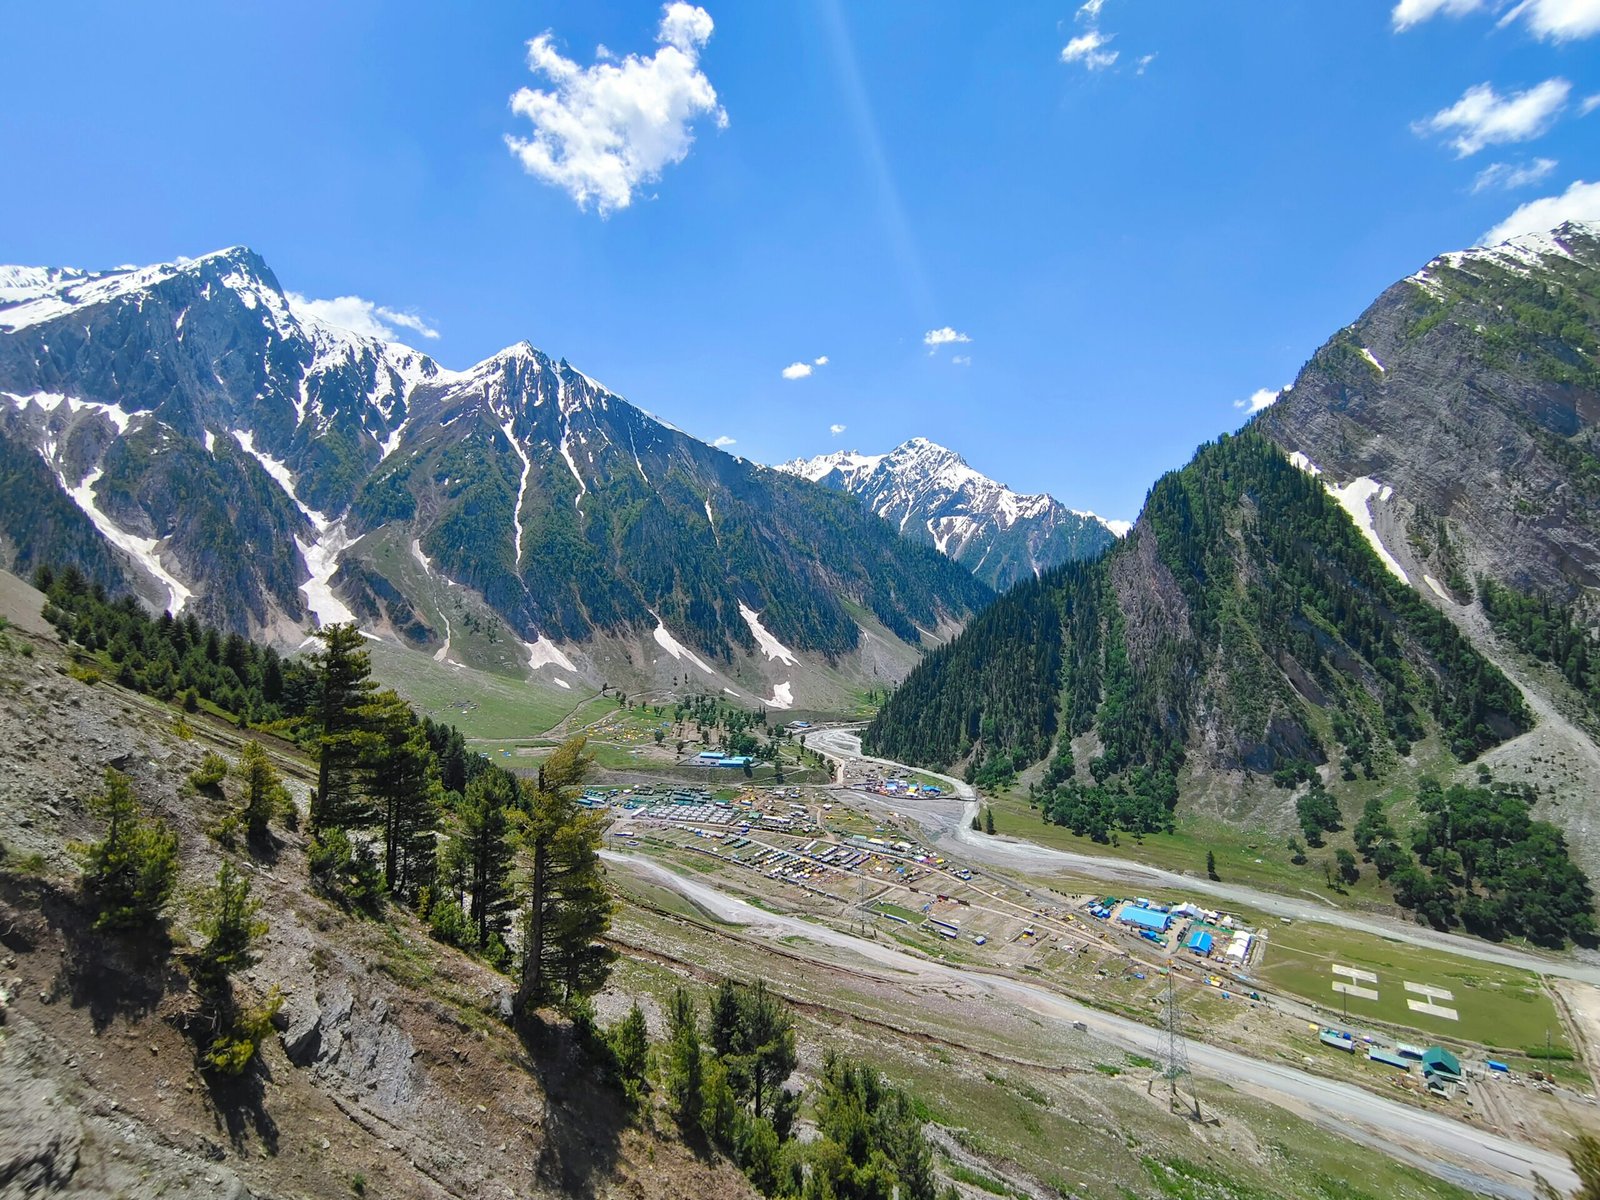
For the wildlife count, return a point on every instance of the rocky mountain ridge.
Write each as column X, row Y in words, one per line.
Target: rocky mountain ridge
column 183, row 427
column 932, row 496
column 1250, row 626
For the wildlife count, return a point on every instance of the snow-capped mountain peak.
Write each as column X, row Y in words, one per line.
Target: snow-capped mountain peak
column 932, row 495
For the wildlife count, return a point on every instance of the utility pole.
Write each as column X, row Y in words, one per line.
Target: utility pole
column 1177, row 1051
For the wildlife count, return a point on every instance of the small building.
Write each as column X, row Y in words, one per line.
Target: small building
column 1200, row 942
column 1380, row 1055
column 733, row 760
column 1339, row 1041
column 1436, row 1060
column 710, row 756
column 1144, row 918
column 1414, row 1053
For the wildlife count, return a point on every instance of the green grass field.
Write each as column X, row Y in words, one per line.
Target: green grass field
column 1500, row 1007
column 480, row 704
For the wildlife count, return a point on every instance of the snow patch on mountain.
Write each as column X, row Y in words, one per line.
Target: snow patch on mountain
column 782, row 696
column 676, row 648
column 542, row 652
column 1373, row 359
column 770, row 646
column 1356, row 498
column 522, row 488
column 145, row 551
column 322, row 561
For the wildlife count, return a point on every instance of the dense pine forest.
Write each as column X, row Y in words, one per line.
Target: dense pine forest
column 1548, row 631
column 1245, row 613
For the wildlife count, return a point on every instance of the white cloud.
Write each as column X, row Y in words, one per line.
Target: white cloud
column 961, row 360
column 1090, row 10
column 943, row 337
column 1580, row 202
column 1509, row 178
column 1482, row 117
column 604, row 130
column 725, row 440
column 1589, row 104
column 1144, row 61
column 836, row 430
column 1558, row 20
column 360, row 316
column 797, row 370
column 1260, row 398
column 820, row 361
column 1553, row 20
column 1089, row 49
column 1413, row 12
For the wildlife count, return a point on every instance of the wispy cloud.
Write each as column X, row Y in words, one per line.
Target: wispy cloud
column 1580, row 202
column 1259, row 399
column 943, row 337
column 603, row 130
column 1413, row 12
column 1506, row 177
column 961, row 360
column 725, row 440
column 1589, row 104
column 1551, row 20
column 1089, row 48
column 1144, row 62
column 361, row 316
column 836, row 430
column 1483, row 117
column 1557, row 20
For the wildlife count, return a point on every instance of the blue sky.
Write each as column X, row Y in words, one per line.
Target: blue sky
column 1131, row 244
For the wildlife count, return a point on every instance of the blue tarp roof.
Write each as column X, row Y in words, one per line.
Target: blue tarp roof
column 1144, row 918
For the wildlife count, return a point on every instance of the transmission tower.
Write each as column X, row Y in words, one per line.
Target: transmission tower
column 1176, row 1059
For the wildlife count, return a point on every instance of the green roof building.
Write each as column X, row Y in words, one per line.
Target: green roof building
column 1436, row 1060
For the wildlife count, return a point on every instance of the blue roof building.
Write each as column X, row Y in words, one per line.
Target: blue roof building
column 1145, row 918
column 1200, row 942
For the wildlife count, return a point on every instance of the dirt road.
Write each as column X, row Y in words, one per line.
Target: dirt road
column 949, row 820
column 1469, row 1157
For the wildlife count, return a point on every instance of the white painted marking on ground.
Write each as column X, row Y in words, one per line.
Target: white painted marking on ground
column 1355, row 973
column 1432, row 993
column 1432, row 1010
column 1356, row 990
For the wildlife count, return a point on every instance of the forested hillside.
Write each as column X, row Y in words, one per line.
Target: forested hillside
column 1245, row 625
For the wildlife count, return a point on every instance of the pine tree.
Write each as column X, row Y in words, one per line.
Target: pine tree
column 402, row 785
column 684, row 1072
column 630, row 1051
column 479, row 851
column 129, row 874
column 1211, row 866
column 229, row 918
column 342, row 669
column 265, row 796
column 988, row 819
column 567, row 909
